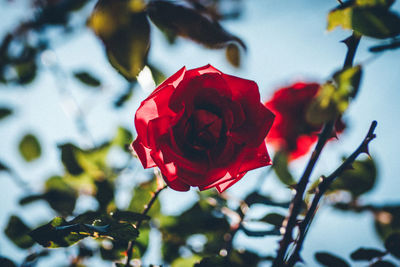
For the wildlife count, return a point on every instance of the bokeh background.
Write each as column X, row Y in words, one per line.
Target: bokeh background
column 287, row 41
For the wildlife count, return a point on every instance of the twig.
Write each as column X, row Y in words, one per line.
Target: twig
column 139, row 223
column 290, row 221
column 321, row 189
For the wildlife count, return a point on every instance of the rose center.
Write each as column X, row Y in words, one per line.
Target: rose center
column 203, row 130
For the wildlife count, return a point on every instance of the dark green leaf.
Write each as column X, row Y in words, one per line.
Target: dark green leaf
column 187, row 22
column 330, row 260
column 274, row 219
column 17, row 231
column 256, row 198
column 5, row 112
column 29, row 147
column 3, row 167
column 26, row 72
column 129, row 216
column 141, row 197
column 382, row 264
column 68, row 158
column 392, row 244
column 184, row 262
column 372, row 3
column 394, row 44
column 59, row 233
column 4, row 262
column 358, row 180
column 259, row 233
column 87, row 78
column 125, row 96
column 125, row 31
column 280, row 166
column 366, row 254
column 104, row 193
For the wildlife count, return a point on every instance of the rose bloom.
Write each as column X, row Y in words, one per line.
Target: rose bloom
column 203, row 128
column 291, row 132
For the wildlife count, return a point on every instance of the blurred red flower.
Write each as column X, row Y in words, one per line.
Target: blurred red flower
column 203, row 128
column 291, row 132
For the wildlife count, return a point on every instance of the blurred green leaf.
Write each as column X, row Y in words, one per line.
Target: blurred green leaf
column 104, row 193
column 274, row 219
column 123, row 138
column 125, row 96
column 125, row 31
column 184, row 262
column 256, row 198
column 334, row 98
column 280, row 166
column 329, row 260
column 232, row 53
column 129, row 216
column 29, row 147
column 158, row 76
column 58, row 194
column 366, row 254
column 393, row 44
column 392, row 244
column 188, row 22
column 382, row 263
column 387, row 221
column 141, row 197
column 26, row 72
column 87, row 78
column 114, row 250
column 234, row 259
column 5, row 112
column 373, row 21
column 69, row 160
column 17, row 231
column 260, row 233
column 383, row 3
column 4, row 262
column 3, row 167
column 358, row 180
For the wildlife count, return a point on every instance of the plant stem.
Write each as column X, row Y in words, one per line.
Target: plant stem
column 139, row 223
column 321, row 189
column 291, row 220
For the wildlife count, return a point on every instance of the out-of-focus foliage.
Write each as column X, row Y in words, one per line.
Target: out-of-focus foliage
column 203, row 234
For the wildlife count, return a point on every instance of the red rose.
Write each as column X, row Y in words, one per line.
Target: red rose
column 203, row 128
column 291, row 131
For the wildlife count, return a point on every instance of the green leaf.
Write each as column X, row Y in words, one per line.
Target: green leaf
column 256, row 198
column 382, row 263
column 376, row 21
column 123, row 138
column 184, row 262
column 5, row 112
column 4, row 262
column 329, row 260
column 29, row 147
column 366, row 254
column 280, row 166
column 187, row 22
column 104, row 193
column 334, row 98
column 17, row 231
column 125, row 96
column 232, row 54
column 125, row 31
column 60, row 233
column 69, row 160
column 3, row 167
column 274, row 219
column 58, row 194
column 129, row 216
column 358, row 180
column 372, row 3
column 26, row 71
column 392, row 244
column 87, row 78
column 142, row 194
column 158, row 75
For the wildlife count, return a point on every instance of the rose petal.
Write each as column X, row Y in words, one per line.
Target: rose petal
column 143, row 153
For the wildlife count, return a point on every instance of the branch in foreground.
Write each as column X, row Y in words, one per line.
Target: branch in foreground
column 139, row 223
column 295, row 206
column 323, row 186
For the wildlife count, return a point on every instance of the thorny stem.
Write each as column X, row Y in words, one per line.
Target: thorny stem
column 321, row 189
column 139, row 223
column 295, row 207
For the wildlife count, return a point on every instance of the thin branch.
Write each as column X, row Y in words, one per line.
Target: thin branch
column 139, row 223
column 323, row 186
column 295, row 207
